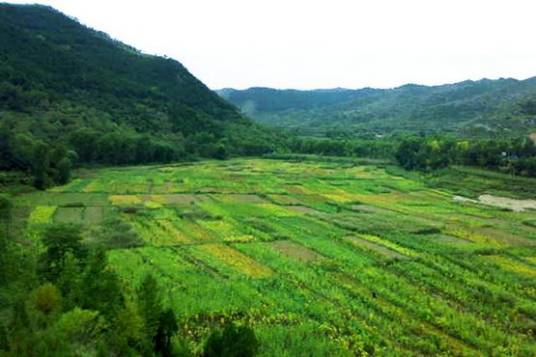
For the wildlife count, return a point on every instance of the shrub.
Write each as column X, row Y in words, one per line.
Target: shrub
column 232, row 340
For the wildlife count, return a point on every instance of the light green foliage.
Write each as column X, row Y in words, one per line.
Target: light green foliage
column 80, row 325
column 319, row 258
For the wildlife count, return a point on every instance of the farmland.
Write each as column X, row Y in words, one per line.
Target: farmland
column 318, row 257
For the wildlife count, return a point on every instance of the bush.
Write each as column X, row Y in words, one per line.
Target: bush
column 233, row 340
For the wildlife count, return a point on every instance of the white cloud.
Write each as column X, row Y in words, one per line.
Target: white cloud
column 319, row 44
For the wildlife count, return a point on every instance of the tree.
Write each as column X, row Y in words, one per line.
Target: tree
column 69, row 280
column 150, row 305
column 408, row 153
column 64, row 171
column 84, row 142
column 60, row 239
column 40, row 165
column 100, row 289
column 22, row 151
column 80, row 327
column 167, row 327
column 232, row 341
column 129, row 332
column 47, row 298
column 20, row 335
column 221, row 152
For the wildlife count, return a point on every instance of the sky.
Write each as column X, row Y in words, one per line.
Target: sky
column 308, row 44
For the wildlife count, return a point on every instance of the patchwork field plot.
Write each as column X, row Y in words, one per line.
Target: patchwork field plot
column 320, row 258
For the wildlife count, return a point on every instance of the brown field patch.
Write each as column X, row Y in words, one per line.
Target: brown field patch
column 296, row 251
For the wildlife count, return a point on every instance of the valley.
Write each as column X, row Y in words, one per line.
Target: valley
column 144, row 213
column 318, row 257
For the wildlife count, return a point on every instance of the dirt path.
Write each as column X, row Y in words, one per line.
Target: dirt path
column 505, row 202
column 501, row 202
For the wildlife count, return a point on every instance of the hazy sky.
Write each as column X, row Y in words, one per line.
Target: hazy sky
column 323, row 44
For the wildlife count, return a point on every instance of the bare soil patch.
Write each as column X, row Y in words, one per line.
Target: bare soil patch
column 509, row 203
column 296, row 251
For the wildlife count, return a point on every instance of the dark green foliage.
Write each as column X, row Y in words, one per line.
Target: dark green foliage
column 356, row 147
column 59, row 240
column 221, row 152
column 488, row 108
column 273, row 100
column 40, row 164
column 80, row 305
column 64, row 171
column 67, row 87
column 528, row 106
column 150, row 305
column 232, row 341
column 6, row 206
column 421, row 154
column 99, row 288
column 515, row 156
column 527, row 165
column 117, row 233
column 160, row 324
column 167, row 327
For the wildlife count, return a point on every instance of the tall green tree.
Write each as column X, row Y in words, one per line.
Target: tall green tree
column 59, row 240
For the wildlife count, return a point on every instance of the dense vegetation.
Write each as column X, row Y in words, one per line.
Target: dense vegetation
column 66, row 88
column 318, row 258
column 490, row 108
column 330, row 250
column 59, row 297
column 510, row 156
column 516, row 156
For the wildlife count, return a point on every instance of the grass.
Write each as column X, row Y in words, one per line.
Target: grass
column 321, row 258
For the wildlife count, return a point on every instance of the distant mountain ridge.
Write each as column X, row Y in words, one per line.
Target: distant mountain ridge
column 483, row 107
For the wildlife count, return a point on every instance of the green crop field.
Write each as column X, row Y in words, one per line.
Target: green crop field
column 320, row 258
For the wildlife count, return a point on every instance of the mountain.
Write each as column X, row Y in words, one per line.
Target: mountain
column 63, row 82
column 485, row 107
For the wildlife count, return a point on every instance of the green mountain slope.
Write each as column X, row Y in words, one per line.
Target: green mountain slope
column 61, row 81
column 481, row 107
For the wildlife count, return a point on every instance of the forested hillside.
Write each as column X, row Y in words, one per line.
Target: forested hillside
column 470, row 108
column 67, row 91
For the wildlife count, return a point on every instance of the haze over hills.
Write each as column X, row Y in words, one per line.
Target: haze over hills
column 62, row 81
column 484, row 107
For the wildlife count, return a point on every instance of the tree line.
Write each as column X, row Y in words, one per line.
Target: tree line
column 515, row 156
